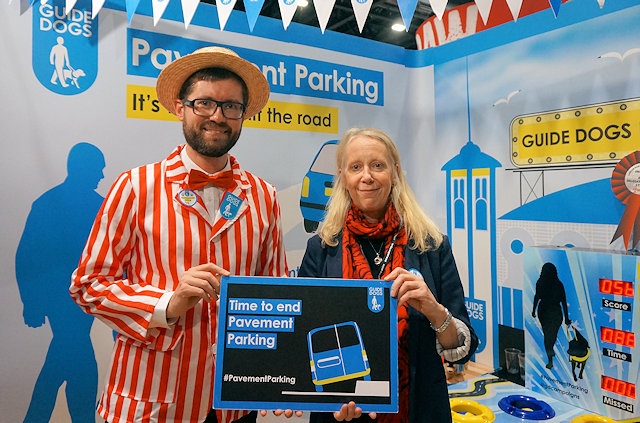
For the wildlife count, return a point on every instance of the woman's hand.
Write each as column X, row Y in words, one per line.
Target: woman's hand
column 410, row 288
column 350, row 411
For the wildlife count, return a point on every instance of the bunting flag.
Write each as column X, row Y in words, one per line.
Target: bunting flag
column 287, row 10
column 324, row 8
column 361, row 10
column 514, row 7
column 131, row 6
column 323, row 11
column 224, row 11
column 252, row 8
column 555, row 6
column 68, row 6
column 484, row 7
column 96, row 6
column 407, row 9
column 188, row 10
column 158, row 8
column 438, row 7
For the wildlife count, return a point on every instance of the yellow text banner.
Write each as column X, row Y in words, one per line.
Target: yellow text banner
column 296, row 117
column 142, row 103
column 591, row 134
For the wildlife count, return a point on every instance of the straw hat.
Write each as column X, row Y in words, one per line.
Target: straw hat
column 173, row 76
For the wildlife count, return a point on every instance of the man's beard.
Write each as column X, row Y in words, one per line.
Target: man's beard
column 197, row 141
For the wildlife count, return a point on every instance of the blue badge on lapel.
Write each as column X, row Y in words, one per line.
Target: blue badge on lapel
column 230, row 206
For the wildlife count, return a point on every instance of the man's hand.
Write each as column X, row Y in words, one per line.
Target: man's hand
column 287, row 413
column 201, row 282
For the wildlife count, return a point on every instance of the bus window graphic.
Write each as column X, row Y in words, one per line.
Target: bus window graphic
column 337, row 353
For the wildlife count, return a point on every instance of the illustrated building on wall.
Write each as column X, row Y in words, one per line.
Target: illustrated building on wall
column 471, row 227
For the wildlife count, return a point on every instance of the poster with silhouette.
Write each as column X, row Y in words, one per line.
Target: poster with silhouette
column 306, row 344
column 580, row 330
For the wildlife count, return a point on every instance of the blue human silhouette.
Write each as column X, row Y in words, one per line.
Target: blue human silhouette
column 53, row 239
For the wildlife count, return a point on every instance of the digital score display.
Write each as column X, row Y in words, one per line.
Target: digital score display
column 615, row 287
column 618, row 337
column 618, row 386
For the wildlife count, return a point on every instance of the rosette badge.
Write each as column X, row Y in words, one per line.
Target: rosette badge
column 625, row 183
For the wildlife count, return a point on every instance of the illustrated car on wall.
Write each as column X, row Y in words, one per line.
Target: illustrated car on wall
column 317, row 186
column 337, row 353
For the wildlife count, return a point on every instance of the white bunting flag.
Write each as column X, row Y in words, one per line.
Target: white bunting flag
column 361, row 10
column 514, row 7
column 158, row 7
column 188, row 10
column 287, row 10
column 96, row 7
column 484, row 7
column 438, row 7
column 68, row 6
column 323, row 11
column 601, row 3
column 224, row 11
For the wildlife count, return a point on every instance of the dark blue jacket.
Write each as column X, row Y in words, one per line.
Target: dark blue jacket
column 429, row 398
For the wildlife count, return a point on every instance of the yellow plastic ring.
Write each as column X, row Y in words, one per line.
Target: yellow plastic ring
column 592, row 418
column 468, row 411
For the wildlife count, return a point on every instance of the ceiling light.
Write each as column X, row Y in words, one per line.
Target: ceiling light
column 398, row 27
column 302, row 3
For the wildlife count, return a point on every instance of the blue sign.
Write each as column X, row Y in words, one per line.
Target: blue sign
column 65, row 47
column 306, row 344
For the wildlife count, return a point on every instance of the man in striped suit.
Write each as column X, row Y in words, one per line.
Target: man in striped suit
column 164, row 236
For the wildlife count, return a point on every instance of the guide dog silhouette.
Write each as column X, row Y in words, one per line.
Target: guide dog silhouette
column 578, row 351
column 73, row 75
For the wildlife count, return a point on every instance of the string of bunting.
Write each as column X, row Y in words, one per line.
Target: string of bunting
column 323, row 9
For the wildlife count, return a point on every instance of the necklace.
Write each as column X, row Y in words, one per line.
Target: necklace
column 378, row 259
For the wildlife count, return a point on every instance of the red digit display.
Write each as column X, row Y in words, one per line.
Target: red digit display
column 619, row 337
column 615, row 287
column 618, row 386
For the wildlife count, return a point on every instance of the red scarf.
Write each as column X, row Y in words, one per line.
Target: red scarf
column 356, row 266
column 354, row 263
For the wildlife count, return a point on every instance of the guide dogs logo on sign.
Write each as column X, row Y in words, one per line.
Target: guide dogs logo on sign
column 65, row 47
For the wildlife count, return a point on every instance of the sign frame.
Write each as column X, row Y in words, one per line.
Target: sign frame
column 306, row 344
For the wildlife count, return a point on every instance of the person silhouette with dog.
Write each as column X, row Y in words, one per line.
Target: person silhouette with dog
column 59, row 57
column 551, row 302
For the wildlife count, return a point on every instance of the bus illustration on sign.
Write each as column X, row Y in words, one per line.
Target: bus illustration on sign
column 337, row 353
column 317, row 186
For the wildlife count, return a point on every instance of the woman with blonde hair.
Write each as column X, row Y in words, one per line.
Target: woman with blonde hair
column 375, row 228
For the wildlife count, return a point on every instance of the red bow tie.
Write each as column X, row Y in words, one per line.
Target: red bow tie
column 198, row 179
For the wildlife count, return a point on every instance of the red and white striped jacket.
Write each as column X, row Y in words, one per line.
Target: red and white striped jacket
column 144, row 237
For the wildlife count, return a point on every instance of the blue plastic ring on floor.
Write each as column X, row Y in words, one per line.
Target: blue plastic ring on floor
column 525, row 407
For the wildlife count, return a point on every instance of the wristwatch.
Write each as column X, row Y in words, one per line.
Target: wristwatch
column 444, row 324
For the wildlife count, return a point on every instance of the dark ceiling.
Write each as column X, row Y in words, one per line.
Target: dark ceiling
column 382, row 15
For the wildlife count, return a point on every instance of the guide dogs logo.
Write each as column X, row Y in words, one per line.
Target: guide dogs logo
column 65, row 47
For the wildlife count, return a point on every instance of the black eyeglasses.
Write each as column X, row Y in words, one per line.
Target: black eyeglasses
column 207, row 107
